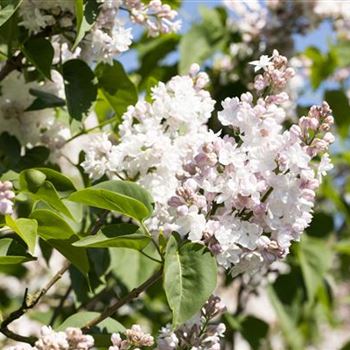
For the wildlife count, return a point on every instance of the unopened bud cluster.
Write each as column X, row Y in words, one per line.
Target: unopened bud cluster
column 156, row 17
column 135, row 339
column 199, row 333
column 74, row 339
column 6, row 198
column 71, row 339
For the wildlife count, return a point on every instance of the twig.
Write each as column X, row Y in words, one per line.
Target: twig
column 17, row 337
column 240, row 306
column 150, row 257
column 99, row 223
column 90, row 304
column 27, row 304
column 60, row 305
column 30, row 302
column 11, row 64
column 146, row 231
column 132, row 295
column 86, row 131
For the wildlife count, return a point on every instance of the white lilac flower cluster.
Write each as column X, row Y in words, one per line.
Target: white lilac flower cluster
column 31, row 127
column 6, row 198
column 246, row 195
column 74, row 339
column 135, row 338
column 156, row 17
column 263, row 25
column 199, row 333
column 273, row 20
column 39, row 14
column 155, row 138
column 108, row 37
column 70, row 339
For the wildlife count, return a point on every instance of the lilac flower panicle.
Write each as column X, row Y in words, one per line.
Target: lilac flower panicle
column 247, row 198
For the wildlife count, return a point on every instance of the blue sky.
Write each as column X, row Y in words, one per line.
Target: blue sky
column 189, row 14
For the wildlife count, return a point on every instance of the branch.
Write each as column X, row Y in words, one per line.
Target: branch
column 99, row 223
column 17, row 337
column 11, row 64
column 60, row 305
column 29, row 303
column 132, row 295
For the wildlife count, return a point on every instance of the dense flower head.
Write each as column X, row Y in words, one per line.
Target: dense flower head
column 155, row 138
column 32, row 128
column 39, row 14
column 246, row 195
column 71, row 339
column 109, row 36
column 155, row 16
column 74, row 339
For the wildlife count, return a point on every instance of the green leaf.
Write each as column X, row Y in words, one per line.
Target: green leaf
column 151, row 51
column 10, row 152
column 25, row 228
column 56, row 232
column 101, row 333
column 322, row 225
column 124, row 197
column 203, row 39
column 254, row 331
column 33, row 157
column 80, row 89
column 11, row 252
column 117, row 235
column 288, row 326
column 7, row 9
column 323, row 65
column 131, row 267
column 346, row 346
column 9, row 33
column 39, row 52
column 44, row 100
column 342, row 51
column 343, row 247
column 339, row 103
column 86, row 14
column 315, row 259
column 115, row 85
column 79, row 320
column 34, row 183
column 188, row 269
column 31, row 179
column 60, row 181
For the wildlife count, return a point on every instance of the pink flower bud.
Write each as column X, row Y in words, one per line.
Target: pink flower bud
column 329, row 138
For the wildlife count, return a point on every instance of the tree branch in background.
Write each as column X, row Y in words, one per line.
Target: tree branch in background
column 129, row 297
column 59, row 307
column 31, row 302
column 28, row 303
column 13, row 63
